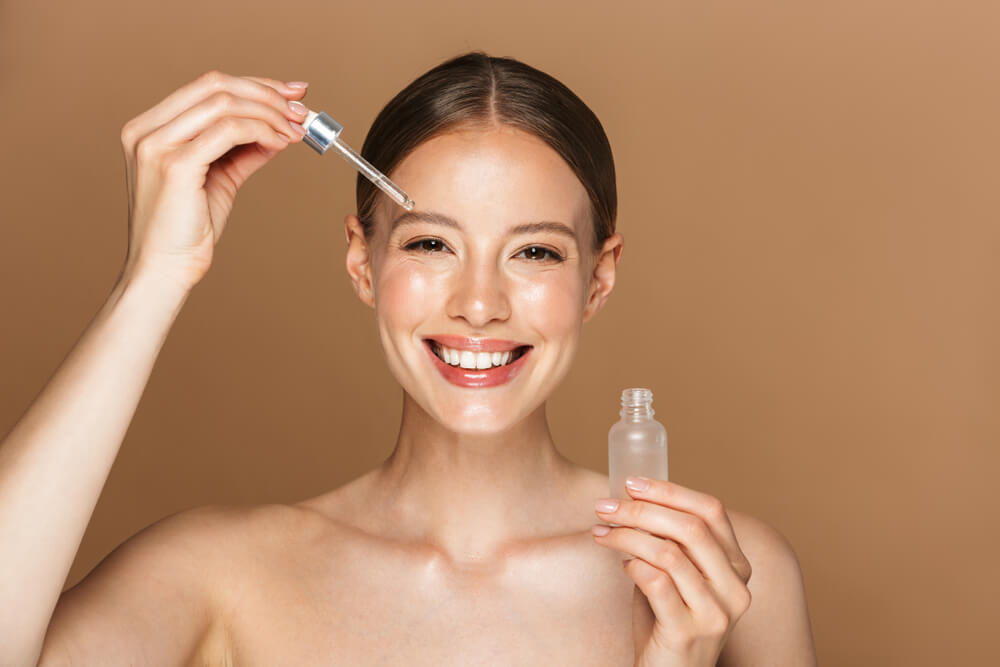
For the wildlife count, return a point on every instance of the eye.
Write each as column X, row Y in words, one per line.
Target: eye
column 537, row 252
column 426, row 245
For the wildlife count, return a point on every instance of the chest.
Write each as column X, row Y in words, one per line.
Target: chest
column 388, row 611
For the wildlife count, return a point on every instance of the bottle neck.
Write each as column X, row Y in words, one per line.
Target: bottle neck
column 636, row 413
column 637, row 405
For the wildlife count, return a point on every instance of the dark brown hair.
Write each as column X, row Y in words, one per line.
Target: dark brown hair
column 477, row 89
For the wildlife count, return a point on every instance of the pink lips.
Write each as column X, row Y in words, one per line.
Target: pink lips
column 477, row 378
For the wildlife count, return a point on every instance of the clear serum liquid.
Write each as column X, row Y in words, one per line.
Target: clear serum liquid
column 637, row 443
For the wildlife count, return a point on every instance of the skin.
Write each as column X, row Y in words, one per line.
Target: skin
column 470, row 464
column 471, row 543
column 475, row 472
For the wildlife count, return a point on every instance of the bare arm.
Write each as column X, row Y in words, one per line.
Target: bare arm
column 56, row 459
column 185, row 159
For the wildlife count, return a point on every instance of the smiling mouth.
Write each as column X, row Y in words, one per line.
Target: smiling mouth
column 470, row 360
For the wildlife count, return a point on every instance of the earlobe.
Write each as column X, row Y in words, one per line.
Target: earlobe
column 358, row 260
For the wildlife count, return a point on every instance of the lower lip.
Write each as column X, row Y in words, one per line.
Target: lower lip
column 487, row 377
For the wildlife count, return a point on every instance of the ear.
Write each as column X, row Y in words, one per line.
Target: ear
column 358, row 260
column 602, row 280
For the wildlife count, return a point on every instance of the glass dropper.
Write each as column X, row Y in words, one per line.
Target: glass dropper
column 322, row 132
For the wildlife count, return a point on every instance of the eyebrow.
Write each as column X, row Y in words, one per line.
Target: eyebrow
column 435, row 218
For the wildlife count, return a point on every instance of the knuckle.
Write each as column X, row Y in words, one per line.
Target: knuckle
column 223, row 99
column 746, row 598
column 228, row 124
column 659, row 584
column 714, row 508
column 693, row 529
column 272, row 95
column 669, row 554
column 144, row 149
column 128, row 135
column 637, row 510
column 213, row 78
column 717, row 623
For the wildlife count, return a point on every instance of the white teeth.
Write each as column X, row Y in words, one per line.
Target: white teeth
column 473, row 360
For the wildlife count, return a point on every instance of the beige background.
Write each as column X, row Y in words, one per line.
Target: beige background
column 810, row 281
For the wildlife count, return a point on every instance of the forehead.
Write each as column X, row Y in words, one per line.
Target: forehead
column 498, row 175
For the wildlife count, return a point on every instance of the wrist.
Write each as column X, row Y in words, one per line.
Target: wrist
column 154, row 290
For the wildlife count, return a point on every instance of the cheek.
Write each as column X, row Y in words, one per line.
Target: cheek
column 553, row 306
column 403, row 293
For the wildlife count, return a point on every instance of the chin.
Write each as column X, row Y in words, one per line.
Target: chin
column 477, row 420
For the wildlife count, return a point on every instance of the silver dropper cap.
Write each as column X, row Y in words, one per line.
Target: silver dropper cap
column 321, row 130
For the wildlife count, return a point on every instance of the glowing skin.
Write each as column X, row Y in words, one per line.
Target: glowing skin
column 470, row 462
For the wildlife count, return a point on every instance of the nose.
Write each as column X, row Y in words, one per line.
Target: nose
column 479, row 295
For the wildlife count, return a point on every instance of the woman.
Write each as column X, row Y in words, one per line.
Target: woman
column 472, row 542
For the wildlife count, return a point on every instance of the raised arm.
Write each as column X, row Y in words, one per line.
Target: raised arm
column 185, row 159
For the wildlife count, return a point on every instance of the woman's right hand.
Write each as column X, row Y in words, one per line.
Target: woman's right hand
column 186, row 157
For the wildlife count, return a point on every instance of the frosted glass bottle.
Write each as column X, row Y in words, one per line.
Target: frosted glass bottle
column 637, row 443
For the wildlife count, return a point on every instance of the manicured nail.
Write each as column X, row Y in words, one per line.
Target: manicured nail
column 298, row 84
column 606, row 505
column 637, row 483
column 298, row 107
column 600, row 530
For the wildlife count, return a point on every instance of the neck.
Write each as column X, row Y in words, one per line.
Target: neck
column 470, row 496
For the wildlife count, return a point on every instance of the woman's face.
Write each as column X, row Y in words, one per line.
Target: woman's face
column 455, row 272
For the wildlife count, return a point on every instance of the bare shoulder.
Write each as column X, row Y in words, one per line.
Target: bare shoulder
column 759, row 536
column 164, row 591
column 776, row 629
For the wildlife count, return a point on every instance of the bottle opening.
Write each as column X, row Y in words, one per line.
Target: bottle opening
column 636, row 397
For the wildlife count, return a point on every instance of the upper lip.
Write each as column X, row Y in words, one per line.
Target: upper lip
column 476, row 344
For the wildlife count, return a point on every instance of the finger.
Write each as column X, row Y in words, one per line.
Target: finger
column 280, row 86
column 661, row 593
column 209, row 111
column 688, row 530
column 666, row 555
column 219, row 139
column 194, row 92
column 708, row 508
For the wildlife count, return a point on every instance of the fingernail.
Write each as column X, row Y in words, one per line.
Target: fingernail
column 637, row 483
column 606, row 505
column 600, row 530
column 298, row 84
column 297, row 107
column 299, row 129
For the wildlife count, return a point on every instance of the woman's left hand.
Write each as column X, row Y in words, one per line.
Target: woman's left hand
column 690, row 569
